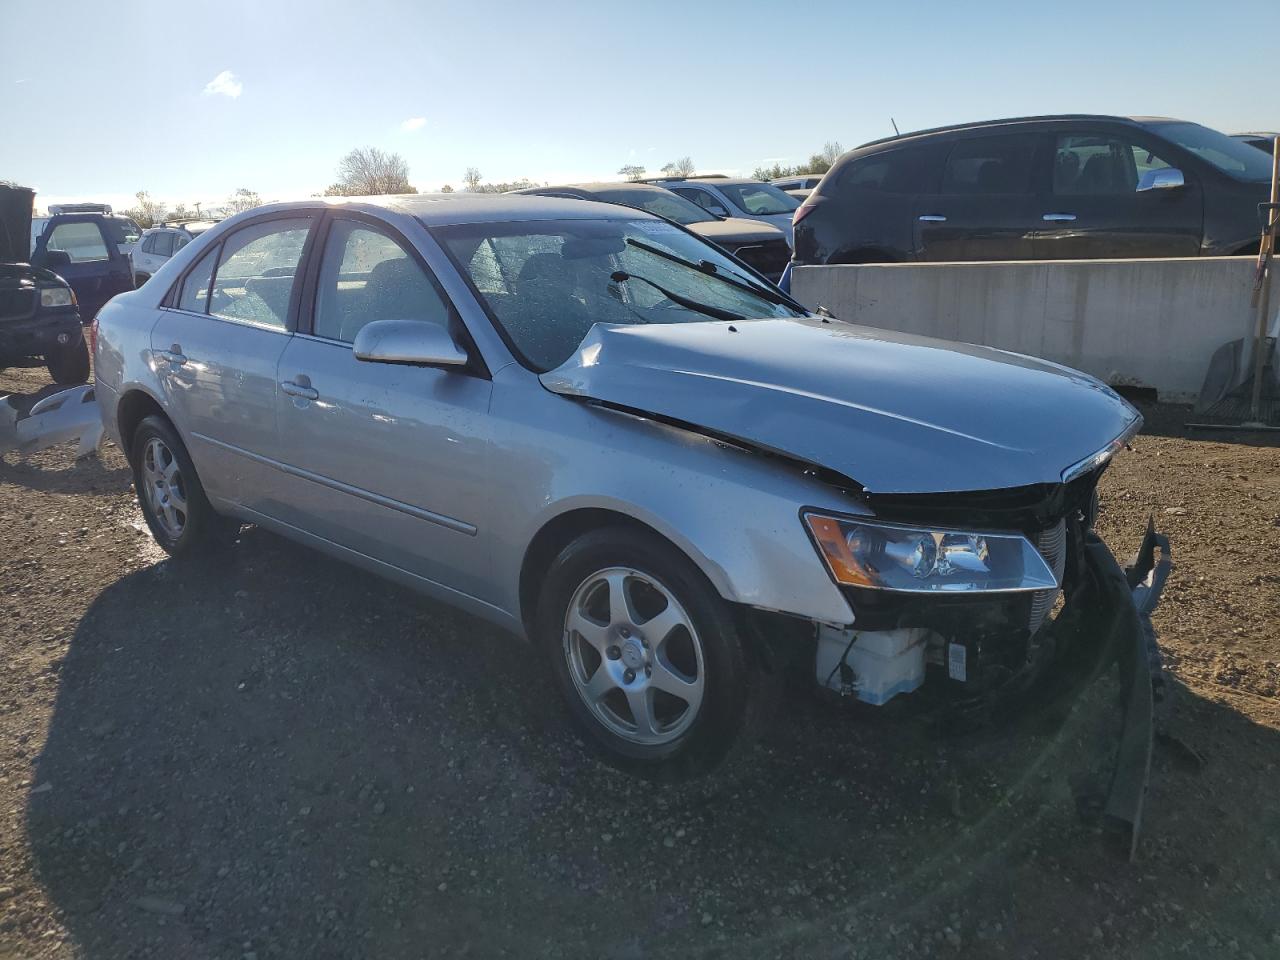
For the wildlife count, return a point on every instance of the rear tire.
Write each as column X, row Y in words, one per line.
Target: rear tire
column 645, row 652
column 177, row 512
column 69, row 364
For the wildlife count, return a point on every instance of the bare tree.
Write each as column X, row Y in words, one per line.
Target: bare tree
column 831, row 151
column 472, row 179
column 631, row 171
column 680, row 168
column 147, row 212
column 243, row 199
column 446, row 189
column 368, row 171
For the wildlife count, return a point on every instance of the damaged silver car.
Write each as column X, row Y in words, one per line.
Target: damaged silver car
column 592, row 428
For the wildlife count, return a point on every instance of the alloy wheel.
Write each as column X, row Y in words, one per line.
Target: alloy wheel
column 634, row 656
column 164, row 488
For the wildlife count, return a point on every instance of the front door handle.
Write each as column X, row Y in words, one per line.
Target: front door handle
column 1057, row 217
column 932, row 218
column 300, row 390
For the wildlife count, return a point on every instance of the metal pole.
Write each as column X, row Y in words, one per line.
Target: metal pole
column 1264, row 302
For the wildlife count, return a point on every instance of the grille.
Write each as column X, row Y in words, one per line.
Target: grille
column 1052, row 544
column 769, row 258
column 17, row 304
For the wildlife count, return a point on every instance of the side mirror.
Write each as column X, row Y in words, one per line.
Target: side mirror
column 408, row 341
column 1166, row 178
column 718, row 210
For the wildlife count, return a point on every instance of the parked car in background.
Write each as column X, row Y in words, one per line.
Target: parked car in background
column 761, row 246
column 1262, row 140
column 593, row 428
column 39, row 318
column 161, row 242
column 736, row 197
column 82, row 249
column 798, row 186
column 1047, row 188
column 124, row 231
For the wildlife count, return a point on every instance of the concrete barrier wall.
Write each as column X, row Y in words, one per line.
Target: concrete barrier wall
column 1145, row 323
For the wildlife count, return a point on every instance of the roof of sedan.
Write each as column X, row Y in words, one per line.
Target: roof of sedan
column 601, row 185
column 439, row 209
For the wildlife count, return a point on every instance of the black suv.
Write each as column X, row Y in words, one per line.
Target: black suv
column 39, row 319
column 1038, row 188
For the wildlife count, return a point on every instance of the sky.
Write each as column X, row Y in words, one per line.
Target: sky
column 191, row 100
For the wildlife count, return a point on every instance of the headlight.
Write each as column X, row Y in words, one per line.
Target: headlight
column 887, row 556
column 56, row 297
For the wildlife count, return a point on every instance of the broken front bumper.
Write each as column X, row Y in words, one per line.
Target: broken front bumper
column 1107, row 619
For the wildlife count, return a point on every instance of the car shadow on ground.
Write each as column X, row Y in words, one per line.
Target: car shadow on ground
column 278, row 755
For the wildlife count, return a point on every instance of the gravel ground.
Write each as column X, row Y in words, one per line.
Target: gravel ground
column 278, row 756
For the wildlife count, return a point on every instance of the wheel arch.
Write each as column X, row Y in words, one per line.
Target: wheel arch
column 562, row 529
column 133, row 407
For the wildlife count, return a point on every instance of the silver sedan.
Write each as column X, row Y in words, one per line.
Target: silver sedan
column 589, row 426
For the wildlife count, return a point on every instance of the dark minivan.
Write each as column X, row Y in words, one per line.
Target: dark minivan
column 1038, row 188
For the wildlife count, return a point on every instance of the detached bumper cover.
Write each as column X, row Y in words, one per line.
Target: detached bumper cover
column 1142, row 679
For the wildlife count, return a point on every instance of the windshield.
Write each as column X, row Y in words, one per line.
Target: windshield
column 122, row 229
column 664, row 204
column 1230, row 156
column 761, row 199
column 547, row 282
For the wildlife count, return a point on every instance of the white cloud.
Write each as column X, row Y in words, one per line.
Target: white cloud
column 413, row 123
column 224, row 83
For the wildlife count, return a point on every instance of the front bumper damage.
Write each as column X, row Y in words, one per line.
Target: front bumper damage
column 1106, row 620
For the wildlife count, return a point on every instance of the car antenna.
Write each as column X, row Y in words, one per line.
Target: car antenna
column 896, row 133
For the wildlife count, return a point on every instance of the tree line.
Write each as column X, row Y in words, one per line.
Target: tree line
column 368, row 171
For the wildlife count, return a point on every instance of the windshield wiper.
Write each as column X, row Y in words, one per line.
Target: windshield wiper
column 708, row 269
column 621, row 276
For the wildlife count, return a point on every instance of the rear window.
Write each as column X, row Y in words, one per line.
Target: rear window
column 990, row 165
column 895, row 171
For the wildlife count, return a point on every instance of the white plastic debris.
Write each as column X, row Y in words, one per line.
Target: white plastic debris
column 61, row 417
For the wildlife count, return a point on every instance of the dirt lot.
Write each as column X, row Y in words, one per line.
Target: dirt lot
column 277, row 756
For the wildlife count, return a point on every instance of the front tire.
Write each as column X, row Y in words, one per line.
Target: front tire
column 172, row 499
column 69, row 364
column 645, row 653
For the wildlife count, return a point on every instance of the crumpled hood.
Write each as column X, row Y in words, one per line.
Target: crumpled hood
column 895, row 412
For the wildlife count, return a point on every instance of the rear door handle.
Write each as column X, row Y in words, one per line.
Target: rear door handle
column 174, row 355
column 932, row 218
column 1056, row 217
column 299, row 390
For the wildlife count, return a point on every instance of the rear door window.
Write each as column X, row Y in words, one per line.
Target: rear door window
column 991, row 165
column 255, row 276
column 195, row 289
column 162, row 244
column 82, row 242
